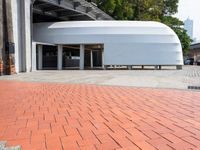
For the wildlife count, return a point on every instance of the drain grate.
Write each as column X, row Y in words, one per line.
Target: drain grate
column 194, row 87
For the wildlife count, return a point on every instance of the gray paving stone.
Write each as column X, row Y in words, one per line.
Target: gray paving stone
column 168, row 77
column 3, row 147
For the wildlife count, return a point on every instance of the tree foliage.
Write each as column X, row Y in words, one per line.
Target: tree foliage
column 148, row 10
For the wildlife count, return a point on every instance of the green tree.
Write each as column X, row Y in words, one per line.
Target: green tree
column 148, row 10
column 170, row 7
column 118, row 9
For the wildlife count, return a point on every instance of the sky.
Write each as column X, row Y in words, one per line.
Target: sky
column 191, row 9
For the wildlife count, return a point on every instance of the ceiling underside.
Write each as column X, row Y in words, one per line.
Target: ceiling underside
column 66, row 10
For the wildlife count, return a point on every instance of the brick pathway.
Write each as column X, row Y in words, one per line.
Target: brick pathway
column 42, row 116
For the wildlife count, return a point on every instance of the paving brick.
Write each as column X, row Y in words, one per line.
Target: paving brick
column 144, row 145
column 159, row 142
column 193, row 141
column 53, row 144
column 136, row 135
column 130, row 148
column 88, row 147
column 85, row 142
column 70, row 143
column 110, row 145
column 151, row 134
column 87, row 117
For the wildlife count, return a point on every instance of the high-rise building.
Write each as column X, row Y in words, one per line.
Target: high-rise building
column 188, row 25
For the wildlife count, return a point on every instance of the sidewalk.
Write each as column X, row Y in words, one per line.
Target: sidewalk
column 49, row 116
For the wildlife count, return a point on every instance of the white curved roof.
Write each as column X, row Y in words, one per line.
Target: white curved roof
column 118, row 37
column 87, row 29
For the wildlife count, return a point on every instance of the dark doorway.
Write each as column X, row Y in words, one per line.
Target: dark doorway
column 97, row 58
column 87, row 58
column 49, row 57
column 71, row 56
column 93, row 56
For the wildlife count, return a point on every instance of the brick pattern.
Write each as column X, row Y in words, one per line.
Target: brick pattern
column 43, row 116
column 10, row 67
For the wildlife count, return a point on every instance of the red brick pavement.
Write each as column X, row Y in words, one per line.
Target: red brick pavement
column 42, row 116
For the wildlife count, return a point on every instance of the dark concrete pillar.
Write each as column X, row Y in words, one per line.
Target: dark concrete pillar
column 142, row 67
column 9, row 47
column 6, row 38
column 1, row 38
column 129, row 67
column 82, row 52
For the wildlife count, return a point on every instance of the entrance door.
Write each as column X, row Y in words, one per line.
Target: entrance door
column 97, row 58
column 49, row 57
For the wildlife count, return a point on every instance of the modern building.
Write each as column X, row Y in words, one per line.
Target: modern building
column 16, row 22
column 24, row 47
column 105, row 43
column 188, row 25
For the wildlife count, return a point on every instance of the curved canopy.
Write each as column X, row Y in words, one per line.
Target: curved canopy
column 125, row 42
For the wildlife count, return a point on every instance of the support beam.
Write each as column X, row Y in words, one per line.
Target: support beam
column 103, row 66
column 70, row 55
column 129, row 67
column 91, row 59
column 76, row 4
column 88, row 9
column 26, row 33
column 40, row 57
column 49, row 13
column 1, row 38
column 60, row 57
column 73, row 6
column 156, row 67
column 82, row 52
column 34, row 64
column 7, row 61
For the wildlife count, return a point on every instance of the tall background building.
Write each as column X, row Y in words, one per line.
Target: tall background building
column 188, row 25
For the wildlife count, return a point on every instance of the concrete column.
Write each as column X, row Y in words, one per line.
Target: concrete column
column 22, row 34
column 70, row 55
column 40, row 57
column 34, row 64
column 1, row 38
column 129, row 67
column 82, row 52
column 156, row 67
column 8, row 56
column 28, row 29
column 60, row 57
column 91, row 59
column 103, row 66
column 25, row 18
